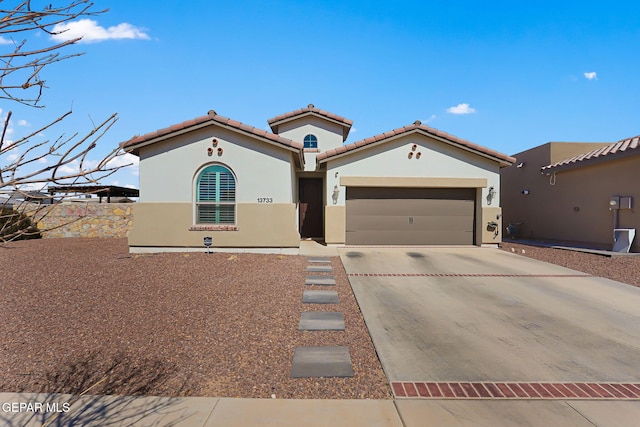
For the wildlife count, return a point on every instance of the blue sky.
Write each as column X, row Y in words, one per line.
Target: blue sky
column 504, row 74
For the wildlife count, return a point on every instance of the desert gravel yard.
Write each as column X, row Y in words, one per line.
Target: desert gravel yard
column 84, row 314
column 625, row 269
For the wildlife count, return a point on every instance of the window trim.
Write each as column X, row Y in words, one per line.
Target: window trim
column 313, row 141
column 197, row 224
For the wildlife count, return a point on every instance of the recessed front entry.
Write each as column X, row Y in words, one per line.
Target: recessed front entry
column 311, row 207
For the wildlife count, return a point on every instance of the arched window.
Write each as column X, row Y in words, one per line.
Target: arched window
column 310, row 141
column 216, row 196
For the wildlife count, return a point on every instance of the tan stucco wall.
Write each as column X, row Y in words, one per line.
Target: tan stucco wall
column 329, row 135
column 335, row 224
column 259, row 225
column 439, row 166
column 576, row 207
column 412, row 182
column 168, row 169
column 488, row 235
column 391, row 160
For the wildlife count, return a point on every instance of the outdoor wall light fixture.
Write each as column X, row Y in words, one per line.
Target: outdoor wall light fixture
column 335, row 194
column 491, row 195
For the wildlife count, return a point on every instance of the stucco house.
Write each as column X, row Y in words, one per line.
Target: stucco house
column 577, row 192
column 248, row 187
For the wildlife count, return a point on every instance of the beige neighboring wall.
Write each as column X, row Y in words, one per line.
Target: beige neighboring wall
column 573, row 204
column 258, row 225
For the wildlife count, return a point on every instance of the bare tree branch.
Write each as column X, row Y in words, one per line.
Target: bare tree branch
column 34, row 162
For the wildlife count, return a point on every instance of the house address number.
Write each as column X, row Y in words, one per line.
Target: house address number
column 265, row 200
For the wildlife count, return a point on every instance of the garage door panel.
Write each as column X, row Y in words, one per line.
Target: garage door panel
column 410, row 216
column 417, row 223
column 412, row 207
column 409, row 237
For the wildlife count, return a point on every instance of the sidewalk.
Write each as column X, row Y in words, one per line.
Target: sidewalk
column 94, row 411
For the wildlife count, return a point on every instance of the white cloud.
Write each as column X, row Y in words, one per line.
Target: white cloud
column 591, row 75
column 126, row 159
column 73, row 168
column 461, row 109
column 23, row 122
column 12, row 155
column 4, row 40
column 430, row 119
column 91, row 32
column 34, row 186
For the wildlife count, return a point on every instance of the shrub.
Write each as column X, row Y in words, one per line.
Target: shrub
column 16, row 225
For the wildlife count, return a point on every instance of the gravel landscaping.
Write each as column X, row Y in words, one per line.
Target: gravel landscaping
column 625, row 269
column 82, row 314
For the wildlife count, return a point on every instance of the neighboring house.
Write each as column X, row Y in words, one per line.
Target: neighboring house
column 247, row 187
column 563, row 190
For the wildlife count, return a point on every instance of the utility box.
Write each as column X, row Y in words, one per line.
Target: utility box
column 625, row 202
column 622, row 239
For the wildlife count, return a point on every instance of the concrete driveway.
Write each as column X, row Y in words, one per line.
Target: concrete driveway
column 478, row 315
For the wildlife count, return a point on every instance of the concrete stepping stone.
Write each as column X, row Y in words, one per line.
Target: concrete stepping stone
column 320, row 280
column 319, row 259
column 319, row 268
column 321, row 321
column 320, row 297
column 321, row 362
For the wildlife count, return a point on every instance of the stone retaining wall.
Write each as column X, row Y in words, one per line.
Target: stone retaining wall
column 86, row 220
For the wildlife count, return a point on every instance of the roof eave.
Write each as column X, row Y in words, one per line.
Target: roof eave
column 548, row 170
column 346, row 127
column 135, row 148
column 503, row 162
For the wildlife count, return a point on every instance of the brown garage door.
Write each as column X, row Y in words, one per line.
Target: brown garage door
column 410, row 216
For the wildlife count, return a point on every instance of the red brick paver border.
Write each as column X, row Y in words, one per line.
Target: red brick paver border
column 516, row 390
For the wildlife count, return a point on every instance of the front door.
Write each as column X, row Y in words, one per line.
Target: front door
column 311, row 207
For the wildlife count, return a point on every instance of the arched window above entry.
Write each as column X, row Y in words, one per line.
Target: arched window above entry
column 216, row 196
column 310, row 141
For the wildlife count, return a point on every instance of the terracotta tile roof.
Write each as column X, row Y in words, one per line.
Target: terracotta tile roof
column 310, row 109
column 417, row 126
column 133, row 145
column 623, row 148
